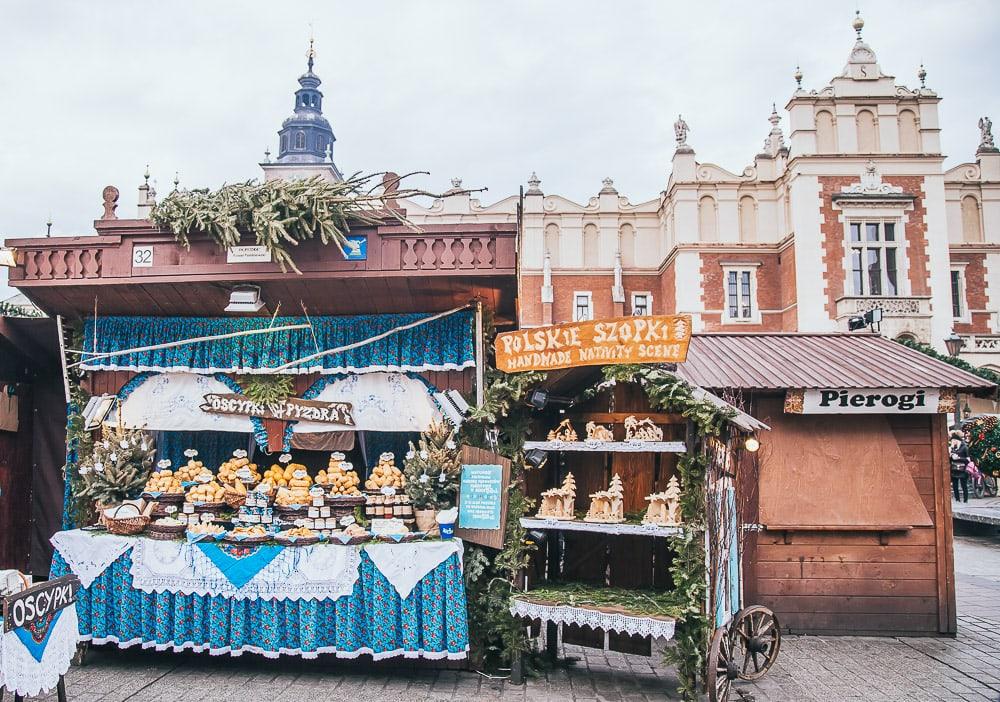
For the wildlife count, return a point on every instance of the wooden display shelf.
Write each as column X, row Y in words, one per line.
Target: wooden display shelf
column 623, row 528
column 609, row 446
column 612, row 619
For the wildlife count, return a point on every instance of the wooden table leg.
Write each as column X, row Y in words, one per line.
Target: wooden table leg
column 516, row 669
column 61, row 689
column 80, row 658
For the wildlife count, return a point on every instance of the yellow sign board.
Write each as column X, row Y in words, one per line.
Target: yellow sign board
column 661, row 339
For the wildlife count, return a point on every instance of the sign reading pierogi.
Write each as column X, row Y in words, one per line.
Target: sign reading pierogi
column 662, row 339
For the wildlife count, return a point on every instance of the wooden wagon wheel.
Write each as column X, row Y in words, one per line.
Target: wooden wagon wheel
column 722, row 668
column 756, row 641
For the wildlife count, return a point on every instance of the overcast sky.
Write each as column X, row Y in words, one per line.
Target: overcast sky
column 488, row 91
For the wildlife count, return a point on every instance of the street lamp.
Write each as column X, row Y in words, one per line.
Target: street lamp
column 954, row 343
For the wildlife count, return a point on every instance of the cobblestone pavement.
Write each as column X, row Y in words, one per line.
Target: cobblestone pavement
column 823, row 669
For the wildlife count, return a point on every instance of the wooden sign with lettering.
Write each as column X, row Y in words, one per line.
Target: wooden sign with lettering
column 39, row 601
column 488, row 520
column 291, row 409
column 661, row 339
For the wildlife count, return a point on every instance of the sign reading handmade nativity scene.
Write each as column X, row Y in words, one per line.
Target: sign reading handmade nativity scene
column 659, row 339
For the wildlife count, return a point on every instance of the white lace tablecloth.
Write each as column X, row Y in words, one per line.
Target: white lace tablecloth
column 405, row 565
column 88, row 553
column 594, row 619
column 22, row 674
column 304, row 573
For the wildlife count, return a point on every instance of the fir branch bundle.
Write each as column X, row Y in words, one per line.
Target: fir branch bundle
column 432, row 468
column 117, row 467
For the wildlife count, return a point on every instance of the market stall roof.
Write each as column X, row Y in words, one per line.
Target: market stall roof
column 794, row 360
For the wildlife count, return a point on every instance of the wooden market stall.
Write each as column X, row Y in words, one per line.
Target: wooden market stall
column 180, row 347
column 853, row 491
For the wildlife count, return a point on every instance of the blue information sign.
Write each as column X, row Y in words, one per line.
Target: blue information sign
column 356, row 248
column 480, row 497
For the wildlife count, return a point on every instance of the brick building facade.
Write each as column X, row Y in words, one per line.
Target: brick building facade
column 853, row 210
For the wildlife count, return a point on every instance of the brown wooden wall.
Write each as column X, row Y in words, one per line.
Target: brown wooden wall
column 850, row 582
column 16, row 486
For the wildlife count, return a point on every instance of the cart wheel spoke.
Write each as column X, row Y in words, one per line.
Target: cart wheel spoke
column 756, row 639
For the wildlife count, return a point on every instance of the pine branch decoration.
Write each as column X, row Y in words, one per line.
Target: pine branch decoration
column 432, row 468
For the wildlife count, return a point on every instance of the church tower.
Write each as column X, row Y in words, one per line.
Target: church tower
column 305, row 146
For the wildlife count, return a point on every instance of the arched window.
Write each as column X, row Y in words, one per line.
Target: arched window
column 591, row 245
column 826, row 136
column 300, row 140
column 972, row 224
column 320, row 143
column 909, row 133
column 284, row 142
column 626, row 244
column 708, row 220
column 906, row 336
column 748, row 219
column 552, row 243
column 867, row 137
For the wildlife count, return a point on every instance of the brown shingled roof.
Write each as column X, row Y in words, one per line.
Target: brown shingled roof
column 780, row 361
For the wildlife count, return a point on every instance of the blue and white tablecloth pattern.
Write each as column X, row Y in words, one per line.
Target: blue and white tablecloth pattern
column 373, row 618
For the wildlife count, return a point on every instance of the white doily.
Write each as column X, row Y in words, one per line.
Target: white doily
column 405, row 565
column 88, row 554
column 299, row 573
column 22, row 674
column 594, row 619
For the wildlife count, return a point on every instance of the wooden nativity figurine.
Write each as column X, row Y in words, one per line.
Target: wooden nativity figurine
column 563, row 432
column 560, row 502
column 598, row 432
column 608, row 506
column 642, row 430
column 665, row 507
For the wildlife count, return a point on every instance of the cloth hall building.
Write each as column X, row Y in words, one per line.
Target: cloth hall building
column 851, row 210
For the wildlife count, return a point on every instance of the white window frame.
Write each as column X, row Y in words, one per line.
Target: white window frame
column 898, row 245
column 649, row 302
column 577, row 294
column 963, row 291
column 739, row 269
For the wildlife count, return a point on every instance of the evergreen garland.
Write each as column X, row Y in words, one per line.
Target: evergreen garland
column 79, row 510
column 282, row 213
column 116, row 467
column 266, row 389
column 984, row 373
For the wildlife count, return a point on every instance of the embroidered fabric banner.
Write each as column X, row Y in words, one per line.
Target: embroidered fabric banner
column 32, row 658
column 444, row 344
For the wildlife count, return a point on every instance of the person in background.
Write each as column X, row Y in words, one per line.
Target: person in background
column 958, row 451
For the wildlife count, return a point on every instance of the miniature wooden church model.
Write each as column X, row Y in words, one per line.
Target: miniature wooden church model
column 560, row 502
column 608, row 506
column 665, row 507
column 563, row 432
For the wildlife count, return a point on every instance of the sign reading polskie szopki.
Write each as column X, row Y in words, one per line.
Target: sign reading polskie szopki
column 869, row 401
column 291, row 409
column 660, row 339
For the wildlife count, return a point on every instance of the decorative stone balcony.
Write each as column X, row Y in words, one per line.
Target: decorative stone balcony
column 900, row 315
column 981, row 343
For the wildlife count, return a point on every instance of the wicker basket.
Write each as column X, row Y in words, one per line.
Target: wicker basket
column 124, row 526
column 214, row 507
column 300, row 541
column 165, row 533
column 234, row 499
column 164, row 497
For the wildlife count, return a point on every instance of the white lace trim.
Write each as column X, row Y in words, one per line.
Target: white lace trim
column 88, row 554
column 22, row 674
column 405, row 565
column 594, row 619
column 306, row 573
column 239, row 651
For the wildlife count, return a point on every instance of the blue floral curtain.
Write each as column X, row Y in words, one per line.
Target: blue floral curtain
column 213, row 447
column 444, row 344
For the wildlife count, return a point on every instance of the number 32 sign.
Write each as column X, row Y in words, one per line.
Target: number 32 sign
column 142, row 256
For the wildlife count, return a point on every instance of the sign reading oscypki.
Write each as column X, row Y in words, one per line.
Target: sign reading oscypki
column 38, row 602
column 290, row 409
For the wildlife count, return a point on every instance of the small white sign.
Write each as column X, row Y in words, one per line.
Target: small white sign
column 142, row 256
column 248, row 254
column 871, row 401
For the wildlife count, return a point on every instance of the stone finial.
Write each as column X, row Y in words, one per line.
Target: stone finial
column 798, row 77
column 775, row 140
column 267, row 154
column 534, row 185
column 110, row 195
column 177, row 180
column 922, row 76
column 986, row 135
column 608, row 186
column 456, row 183
column 681, row 130
column 858, row 23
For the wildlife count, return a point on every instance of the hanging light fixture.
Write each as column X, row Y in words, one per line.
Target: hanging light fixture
column 751, row 444
column 954, row 343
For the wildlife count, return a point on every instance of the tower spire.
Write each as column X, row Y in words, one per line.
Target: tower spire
column 311, row 54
